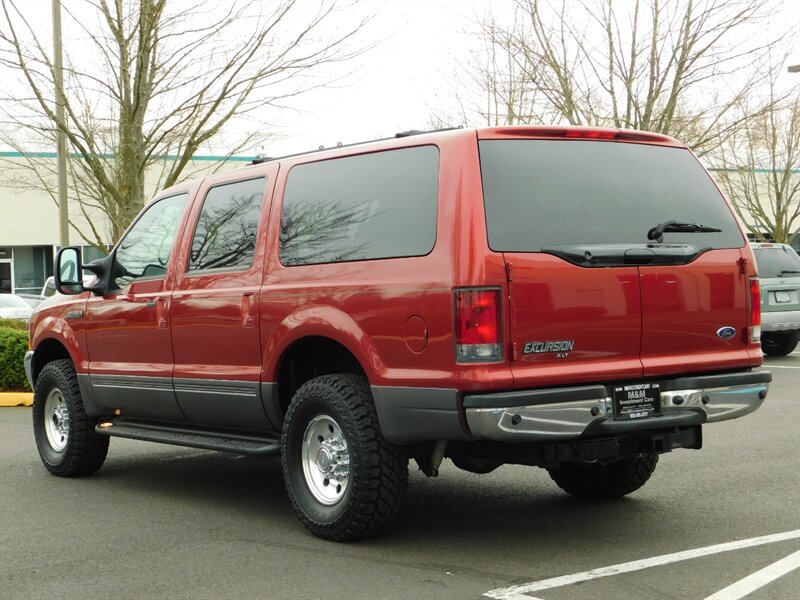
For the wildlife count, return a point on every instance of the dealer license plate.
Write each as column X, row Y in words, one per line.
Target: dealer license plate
column 637, row 401
column 782, row 297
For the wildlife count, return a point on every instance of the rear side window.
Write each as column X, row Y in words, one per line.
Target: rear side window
column 370, row 206
column 554, row 192
column 777, row 262
column 225, row 235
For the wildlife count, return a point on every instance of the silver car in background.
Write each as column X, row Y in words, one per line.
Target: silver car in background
column 779, row 273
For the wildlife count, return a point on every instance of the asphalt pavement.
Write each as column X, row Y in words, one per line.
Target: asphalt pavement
column 166, row 522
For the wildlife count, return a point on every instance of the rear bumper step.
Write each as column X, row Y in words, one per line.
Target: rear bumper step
column 177, row 436
column 568, row 413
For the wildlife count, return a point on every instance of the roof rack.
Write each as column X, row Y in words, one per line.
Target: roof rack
column 400, row 134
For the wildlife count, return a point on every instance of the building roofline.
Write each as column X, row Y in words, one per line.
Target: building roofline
column 15, row 154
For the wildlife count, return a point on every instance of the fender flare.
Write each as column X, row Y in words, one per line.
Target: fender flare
column 58, row 330
column 321, row 321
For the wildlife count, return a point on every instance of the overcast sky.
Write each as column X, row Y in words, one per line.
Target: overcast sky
column 400, row 83
column 408, row 76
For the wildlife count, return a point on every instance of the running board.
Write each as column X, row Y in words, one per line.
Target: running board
column 177, row 436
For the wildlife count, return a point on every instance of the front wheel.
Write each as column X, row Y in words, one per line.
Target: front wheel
column 345, row 481
column 603, row 481
column 65, row 436
column 779, row 343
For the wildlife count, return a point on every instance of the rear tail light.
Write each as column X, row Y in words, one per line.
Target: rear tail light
column 755, row 310
column 478, row 326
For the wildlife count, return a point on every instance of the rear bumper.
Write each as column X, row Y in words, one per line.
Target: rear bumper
column 567, row 413
column 787, row 320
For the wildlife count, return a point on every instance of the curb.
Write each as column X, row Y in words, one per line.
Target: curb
column 16, row 398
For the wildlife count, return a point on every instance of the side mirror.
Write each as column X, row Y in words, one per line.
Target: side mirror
column 69, row 271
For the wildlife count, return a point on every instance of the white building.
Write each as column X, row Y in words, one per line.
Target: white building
column 29, row 224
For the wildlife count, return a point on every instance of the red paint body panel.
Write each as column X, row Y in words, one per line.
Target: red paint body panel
column 600, row 309
column 123, row 333
column 684, row 307
column 212, row 338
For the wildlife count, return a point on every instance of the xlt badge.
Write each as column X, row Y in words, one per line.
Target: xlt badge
column 551, row 346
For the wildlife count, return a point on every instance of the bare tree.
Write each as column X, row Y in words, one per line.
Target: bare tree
column 154, row 79
column 678, row 67
column 760, row 169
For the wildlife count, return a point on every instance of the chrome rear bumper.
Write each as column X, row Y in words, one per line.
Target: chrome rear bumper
column 685, row 401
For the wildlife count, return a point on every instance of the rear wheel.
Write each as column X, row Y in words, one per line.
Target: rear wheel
column 603, row 481
column 345, row 481
column 779, row 343
column 65, row 436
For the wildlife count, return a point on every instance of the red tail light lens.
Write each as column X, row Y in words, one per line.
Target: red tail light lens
column 755, row 310
column 478, row 327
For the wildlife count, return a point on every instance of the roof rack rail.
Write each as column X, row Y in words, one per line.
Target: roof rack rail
column 400, row 134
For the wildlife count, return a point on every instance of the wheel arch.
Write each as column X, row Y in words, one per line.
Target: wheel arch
column 312, row 341
column 54, row 339
column 46, row 351
column 309, row 357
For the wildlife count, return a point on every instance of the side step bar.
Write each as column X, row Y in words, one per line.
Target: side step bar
column 193, row 438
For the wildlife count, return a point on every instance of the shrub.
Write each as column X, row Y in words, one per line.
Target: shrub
column 13, row 345
column 18, row 324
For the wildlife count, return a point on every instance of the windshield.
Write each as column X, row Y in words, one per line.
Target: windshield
column 777, row 261
column 11, row 301
column 559, row 192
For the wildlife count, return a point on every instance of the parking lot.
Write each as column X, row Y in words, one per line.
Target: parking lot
column 167, row 522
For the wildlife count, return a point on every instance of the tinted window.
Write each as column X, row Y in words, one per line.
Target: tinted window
column 371, row 206
column 552, row 192
column 145, row 250
column 777, row 262
column 225, row 236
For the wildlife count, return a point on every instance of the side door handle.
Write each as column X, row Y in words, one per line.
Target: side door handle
column 161, row 312
column 249, row 309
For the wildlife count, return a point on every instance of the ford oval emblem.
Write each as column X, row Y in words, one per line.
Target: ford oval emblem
column 726, row 333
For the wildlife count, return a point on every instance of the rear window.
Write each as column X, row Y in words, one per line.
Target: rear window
column 379, row 205
column 555, row 192
column 777, row 262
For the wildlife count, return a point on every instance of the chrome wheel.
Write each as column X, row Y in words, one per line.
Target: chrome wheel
column 56, row 420
column 325, row 459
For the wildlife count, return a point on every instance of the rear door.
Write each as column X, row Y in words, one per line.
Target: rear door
column 591, row 297
column 214, row 312
column 689, row 313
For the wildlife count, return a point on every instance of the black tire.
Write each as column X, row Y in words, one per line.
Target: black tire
column 65, row 436
column 779, row 343
column 370, row 495
column 597, row 481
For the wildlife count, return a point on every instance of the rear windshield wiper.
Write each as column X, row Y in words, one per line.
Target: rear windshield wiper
column 786, row 271
column 657, row 232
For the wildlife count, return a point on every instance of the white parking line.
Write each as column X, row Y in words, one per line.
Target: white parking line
column 520, row 592
column 759, row 579
column 781, row 367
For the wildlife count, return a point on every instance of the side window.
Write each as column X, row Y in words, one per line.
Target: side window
column 378, row 205
column 225, row 236
column 145, row 251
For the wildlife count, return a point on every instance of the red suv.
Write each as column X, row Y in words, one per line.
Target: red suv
column 581, row 300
